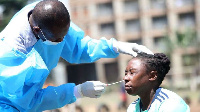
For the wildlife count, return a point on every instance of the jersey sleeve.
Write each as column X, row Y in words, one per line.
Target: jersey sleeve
column 80, row 49
column 172, row 105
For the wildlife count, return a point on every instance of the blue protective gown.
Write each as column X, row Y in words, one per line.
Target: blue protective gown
column 22, row 74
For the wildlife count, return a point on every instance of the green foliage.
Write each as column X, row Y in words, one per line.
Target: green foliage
column 12, row 5
column 169, row 45
column 189, row 60
column 181, row 40
column 10, row 8
column 185, row 39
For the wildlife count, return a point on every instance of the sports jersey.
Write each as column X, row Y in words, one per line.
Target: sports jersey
column 163, row 101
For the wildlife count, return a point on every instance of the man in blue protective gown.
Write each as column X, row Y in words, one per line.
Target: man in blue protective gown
column 30, row 47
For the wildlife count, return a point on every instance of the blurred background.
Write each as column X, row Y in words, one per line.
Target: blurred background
column 168, row 26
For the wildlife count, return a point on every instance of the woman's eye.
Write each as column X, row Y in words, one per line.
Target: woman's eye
column 125, row 73
column 133, row 73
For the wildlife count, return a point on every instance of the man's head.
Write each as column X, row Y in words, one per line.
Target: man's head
column 145, row 71
column 51, row 19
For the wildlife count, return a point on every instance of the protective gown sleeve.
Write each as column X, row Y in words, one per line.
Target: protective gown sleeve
column 80, row 49
column 54, row 97
column 21, row 80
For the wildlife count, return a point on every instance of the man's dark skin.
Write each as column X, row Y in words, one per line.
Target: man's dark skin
column 53, row 31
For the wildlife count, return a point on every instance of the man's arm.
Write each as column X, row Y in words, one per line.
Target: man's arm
column 53, row 97
column 80, row 49
column 56, row 97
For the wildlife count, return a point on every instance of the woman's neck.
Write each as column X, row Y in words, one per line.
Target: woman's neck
column 146, row 99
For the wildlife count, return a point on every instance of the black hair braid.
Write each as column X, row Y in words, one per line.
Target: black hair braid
column 158, row 62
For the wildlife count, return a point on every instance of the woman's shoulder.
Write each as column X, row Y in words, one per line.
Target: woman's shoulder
column 134, row 106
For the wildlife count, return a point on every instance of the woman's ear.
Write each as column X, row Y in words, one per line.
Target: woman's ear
column 153, row 75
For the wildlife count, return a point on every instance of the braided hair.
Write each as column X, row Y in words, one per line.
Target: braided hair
column 158, row 62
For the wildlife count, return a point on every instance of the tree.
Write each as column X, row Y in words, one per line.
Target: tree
column 184, row 39
column 10, row 8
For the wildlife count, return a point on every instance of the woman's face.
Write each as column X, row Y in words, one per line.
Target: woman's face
column 136, row 77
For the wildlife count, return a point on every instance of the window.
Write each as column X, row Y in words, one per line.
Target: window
column 160, row 22
column 112, row 72
column 158, row 4
column 138, row 41
column 81, row 73
column 131, row 6
column 107, row 29
column 187, row 20
column 180, row 3
column 190, row 59
column 105, row 9
column 133, row 25
column 160, row 44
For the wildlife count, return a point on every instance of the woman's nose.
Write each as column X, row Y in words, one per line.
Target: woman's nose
column 126, row 77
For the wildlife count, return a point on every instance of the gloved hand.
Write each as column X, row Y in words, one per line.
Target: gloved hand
column 130, row 48
column 92, row 89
